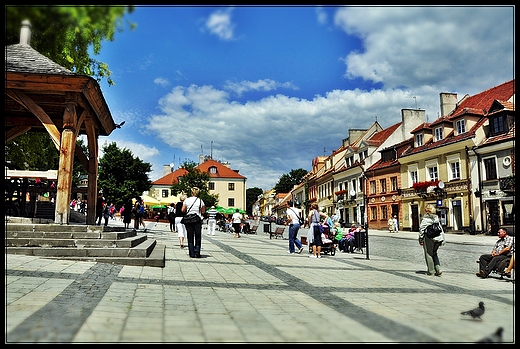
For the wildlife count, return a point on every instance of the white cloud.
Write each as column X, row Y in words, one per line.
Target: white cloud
column 445, row 47
column 161, row 82
column 219, row 23
column 265, row 85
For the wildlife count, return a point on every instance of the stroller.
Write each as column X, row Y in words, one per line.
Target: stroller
column 328, row 244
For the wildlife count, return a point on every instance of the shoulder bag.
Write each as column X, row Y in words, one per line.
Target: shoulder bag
column 433, row 230
column 191, row 218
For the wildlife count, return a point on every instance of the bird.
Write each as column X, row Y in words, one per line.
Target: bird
column 495, row 337
column 119, row 125
column 476, row 313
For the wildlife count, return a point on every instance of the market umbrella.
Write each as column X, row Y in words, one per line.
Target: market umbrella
column 229, row 210
column 169, row 200
column 148, row 200
column 220, row 209
column 158, row 206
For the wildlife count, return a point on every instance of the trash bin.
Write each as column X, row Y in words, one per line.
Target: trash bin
column 267, row 228
column 360, row 240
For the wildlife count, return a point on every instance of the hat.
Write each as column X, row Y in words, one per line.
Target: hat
column 212, row 206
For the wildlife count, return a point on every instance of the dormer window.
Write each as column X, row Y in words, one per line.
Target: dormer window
column 497, row 125
column 460, row 125
column 213, row 170
column 419, row 139
column 438, row 134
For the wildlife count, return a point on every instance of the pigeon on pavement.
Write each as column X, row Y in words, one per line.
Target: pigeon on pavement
column 476, row 313
column 495, row 337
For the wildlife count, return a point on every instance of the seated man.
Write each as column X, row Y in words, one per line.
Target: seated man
column 500, row 252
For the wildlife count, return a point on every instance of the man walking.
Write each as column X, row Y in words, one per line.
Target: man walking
column 212, row 220
column 293, row 219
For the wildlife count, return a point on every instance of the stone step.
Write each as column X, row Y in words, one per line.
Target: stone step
column 84, row 242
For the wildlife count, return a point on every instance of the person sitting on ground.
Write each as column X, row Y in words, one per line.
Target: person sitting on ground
column 501, row 251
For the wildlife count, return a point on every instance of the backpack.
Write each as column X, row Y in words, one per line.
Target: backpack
column 141, row 209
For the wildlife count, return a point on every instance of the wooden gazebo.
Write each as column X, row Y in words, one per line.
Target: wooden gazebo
column 42, row 96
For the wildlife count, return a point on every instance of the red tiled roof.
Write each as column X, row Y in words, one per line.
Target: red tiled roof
column 222, row 172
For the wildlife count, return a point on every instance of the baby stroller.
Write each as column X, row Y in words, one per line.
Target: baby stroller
column 328, row 243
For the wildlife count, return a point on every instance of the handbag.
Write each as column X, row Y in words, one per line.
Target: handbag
column 433, row 230
column 192, row 218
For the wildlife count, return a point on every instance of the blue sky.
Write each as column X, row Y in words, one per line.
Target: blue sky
column 267, row 89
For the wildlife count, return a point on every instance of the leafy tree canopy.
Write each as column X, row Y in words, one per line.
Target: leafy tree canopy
column 251, row 197
column 287, row 181
column 65, row 34
column 122, row 176
column 195, row 178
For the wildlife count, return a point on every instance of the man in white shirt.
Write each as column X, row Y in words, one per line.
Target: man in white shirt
column 293, row 220
column 212, row 220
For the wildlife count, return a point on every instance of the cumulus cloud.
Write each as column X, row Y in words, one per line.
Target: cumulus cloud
column 219, row 23
column 264, row 85
column 161, row 82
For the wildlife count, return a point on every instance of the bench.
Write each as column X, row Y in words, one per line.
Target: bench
column 276, row 233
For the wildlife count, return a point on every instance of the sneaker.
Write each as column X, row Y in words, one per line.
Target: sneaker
column 300, row 250
column 312, row 256
column 319, row 256
column 438, row 273
column 289, row 252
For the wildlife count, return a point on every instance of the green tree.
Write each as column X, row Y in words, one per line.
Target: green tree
column 122, row 176
column 287, row 181
column 65, row 34
column 32, row 151
column 195, row 178
column 251, row 197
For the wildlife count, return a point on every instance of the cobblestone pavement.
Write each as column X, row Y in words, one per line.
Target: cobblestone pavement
column 250, row 290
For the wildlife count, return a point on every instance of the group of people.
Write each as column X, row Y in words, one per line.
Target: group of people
column 393, row 224
column 501, row 259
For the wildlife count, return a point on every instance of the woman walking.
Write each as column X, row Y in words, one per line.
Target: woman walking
column 194, row 204
column 179, row 227
column 431, row 245
column 314, row 235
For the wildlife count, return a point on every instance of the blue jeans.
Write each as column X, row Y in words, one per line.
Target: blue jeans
column 293, row 237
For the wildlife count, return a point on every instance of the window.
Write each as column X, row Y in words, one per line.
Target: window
column 497, row 125
column 419, row 139
column 231, row 186
column 393, row 184
column 231, row 202
column 164, row 193
column 413, row 174
column 384, row 212
column 354, row 185
column 509, row 215
column 382, row 183
column 460, row 126
column 373, row 213
column 454, row 170
column 212, row 170
column 211, row 186
column 433, row 174
column 438, row 133
column 372, row 187
column 490, row 168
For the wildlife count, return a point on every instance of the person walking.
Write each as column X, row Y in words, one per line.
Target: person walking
column 100, row 205
column 236, row 221
column 127, row 214
column 171, row 216
column 179, row 227
column 194, row 204
column 314, row 234
column 396, row 224
column 432, row 245
column 293, row 220
column 212, row 220
column 501, row 251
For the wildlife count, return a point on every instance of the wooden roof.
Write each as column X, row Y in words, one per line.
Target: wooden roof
column 34, row 81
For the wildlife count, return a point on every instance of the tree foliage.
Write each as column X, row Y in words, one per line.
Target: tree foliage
column 287, row 181
column 195, row 178
column 251, row 197
column 32, row 151
column 122, row 176
column 66, row 34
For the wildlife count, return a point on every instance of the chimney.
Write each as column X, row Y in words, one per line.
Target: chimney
column 25, row 33
column 411, row 118
column 448, row 103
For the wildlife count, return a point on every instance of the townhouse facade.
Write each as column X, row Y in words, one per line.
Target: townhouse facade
column 228, row 184
column 463, row 162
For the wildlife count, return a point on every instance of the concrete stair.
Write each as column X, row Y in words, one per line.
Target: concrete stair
column 84, row 242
